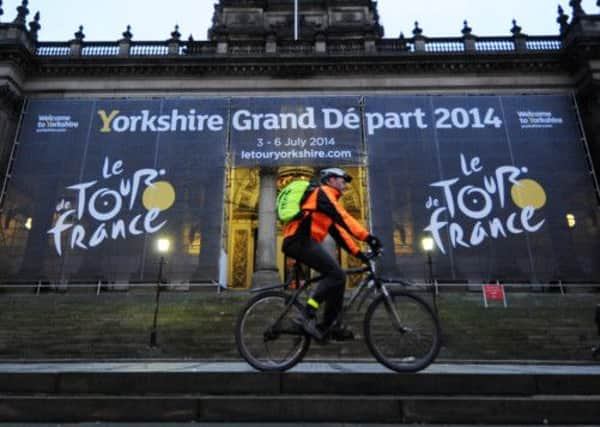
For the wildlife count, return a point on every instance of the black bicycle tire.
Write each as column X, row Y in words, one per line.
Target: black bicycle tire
column 252, row 361
column 422, row 363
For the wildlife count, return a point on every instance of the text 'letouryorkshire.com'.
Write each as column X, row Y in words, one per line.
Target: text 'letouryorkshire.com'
column 295, row 154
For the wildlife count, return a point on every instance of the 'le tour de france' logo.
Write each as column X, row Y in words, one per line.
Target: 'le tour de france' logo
column 106, row 208
column 469, row 213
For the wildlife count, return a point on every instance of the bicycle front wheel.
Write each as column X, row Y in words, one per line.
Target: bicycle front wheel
column 402, row 332
column 265, row 335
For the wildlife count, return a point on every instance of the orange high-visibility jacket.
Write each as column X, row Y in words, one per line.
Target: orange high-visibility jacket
column 322, row 214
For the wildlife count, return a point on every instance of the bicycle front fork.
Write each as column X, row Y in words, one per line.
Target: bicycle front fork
column 391, row 309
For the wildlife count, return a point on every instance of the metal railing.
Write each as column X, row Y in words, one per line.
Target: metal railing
column 98, row 287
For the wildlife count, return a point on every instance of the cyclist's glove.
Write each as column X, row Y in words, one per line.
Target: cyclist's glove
column 374, row 243
column 363, row 257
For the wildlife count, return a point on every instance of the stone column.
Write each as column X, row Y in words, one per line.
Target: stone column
column 588, row 100
column 11, row 102
column 266, row 255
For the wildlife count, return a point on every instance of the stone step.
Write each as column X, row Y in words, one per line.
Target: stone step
column 311, row 392
column 312, row 408
column 297, row 383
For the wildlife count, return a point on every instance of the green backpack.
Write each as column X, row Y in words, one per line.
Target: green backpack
column 290, row 199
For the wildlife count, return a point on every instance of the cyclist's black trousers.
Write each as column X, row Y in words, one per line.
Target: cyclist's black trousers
column 331, row 288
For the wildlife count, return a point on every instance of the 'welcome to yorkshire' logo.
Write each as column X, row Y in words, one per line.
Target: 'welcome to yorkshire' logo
column 106, row 208
column 473, row 205
column 55, row 123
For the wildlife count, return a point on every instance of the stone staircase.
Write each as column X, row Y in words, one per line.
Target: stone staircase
column 312, row 392
column 555, row 380
column 200, row 325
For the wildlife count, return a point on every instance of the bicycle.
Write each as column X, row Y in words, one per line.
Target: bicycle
column 400, row 329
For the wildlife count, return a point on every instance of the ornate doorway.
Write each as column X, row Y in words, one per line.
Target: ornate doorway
column 243, row 194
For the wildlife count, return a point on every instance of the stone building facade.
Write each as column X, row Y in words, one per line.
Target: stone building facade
column 339, row 49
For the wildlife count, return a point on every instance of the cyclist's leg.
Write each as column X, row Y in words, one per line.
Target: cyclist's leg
column 334, row 300
column 331, row 288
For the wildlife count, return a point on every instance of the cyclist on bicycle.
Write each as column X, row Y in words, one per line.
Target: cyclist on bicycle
column 322, row 214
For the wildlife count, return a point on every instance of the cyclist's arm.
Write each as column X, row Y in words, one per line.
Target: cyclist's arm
column 327, row 204
column 344, row 239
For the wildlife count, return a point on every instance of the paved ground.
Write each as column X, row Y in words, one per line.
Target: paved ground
column 192, row 424
column 326, row 367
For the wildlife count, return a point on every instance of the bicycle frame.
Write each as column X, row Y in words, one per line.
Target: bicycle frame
column 370, row 283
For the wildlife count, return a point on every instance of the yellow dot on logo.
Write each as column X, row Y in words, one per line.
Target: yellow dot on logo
column 527, row 192
column 159, row 195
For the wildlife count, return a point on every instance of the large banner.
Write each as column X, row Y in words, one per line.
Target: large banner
column 499, row 182
column 315, row 131
column 96, row 183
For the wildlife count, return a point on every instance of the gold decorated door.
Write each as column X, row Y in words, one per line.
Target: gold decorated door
column 243, row 193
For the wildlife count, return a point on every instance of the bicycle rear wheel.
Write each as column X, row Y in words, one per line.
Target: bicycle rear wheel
column 407, row 346
column 265, row 335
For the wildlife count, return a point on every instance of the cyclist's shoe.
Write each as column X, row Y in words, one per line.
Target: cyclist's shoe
column 308, row 325
column 341, row 333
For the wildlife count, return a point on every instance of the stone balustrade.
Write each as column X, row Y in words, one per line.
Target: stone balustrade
column 383, row 47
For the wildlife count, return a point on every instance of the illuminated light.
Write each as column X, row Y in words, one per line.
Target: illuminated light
column 163, row 245
column 195, row 244
column 28, row 223
column 571, row 220
column 427, row 244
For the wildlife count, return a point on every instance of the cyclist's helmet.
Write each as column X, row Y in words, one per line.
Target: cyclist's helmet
column 337, row 172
